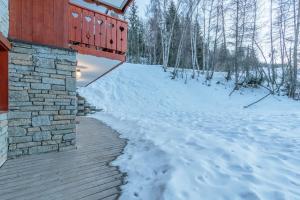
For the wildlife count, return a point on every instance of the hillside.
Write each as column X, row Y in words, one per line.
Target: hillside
column 192, row 141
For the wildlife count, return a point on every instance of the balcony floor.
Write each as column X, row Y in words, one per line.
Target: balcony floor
column 84, row 173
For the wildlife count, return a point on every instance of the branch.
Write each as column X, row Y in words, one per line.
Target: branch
column 258, row 100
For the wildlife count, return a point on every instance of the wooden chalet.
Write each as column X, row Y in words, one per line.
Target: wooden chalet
column 43, row 46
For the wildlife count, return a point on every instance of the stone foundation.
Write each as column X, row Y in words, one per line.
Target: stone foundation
column 42, row 99
column 3, row 138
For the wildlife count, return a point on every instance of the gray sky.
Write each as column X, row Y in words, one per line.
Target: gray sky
column 142, row 4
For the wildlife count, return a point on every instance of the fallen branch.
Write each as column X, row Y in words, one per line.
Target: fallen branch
column 234, row 89
column 258, row 100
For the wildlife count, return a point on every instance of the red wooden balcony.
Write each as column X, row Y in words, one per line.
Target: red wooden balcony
column 62, row 24
column 94, row 33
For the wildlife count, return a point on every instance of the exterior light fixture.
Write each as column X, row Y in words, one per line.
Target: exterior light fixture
column 78, row 73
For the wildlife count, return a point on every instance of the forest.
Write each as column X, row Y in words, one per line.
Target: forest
column 255, row 43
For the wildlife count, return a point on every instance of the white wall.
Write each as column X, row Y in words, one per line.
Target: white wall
column 4, row 17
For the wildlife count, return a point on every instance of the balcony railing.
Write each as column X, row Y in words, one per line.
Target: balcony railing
column 91, row 32
column 62, row 24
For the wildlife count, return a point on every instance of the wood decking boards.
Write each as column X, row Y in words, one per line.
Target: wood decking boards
column 84, row 173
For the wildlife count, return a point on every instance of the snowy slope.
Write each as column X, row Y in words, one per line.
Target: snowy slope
column 190, row 141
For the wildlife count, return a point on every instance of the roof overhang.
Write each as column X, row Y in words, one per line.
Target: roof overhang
column 118, row 6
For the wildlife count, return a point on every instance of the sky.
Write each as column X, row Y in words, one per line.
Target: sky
column 142, row 5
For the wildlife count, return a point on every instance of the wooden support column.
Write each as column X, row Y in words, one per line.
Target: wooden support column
column 4, row 48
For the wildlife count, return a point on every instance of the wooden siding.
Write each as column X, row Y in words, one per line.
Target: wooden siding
column 42, row 22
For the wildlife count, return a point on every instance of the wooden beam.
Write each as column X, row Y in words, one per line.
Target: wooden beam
column 99, row 53
column 4, row 43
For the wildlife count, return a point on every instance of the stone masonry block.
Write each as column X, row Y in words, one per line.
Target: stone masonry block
column 18, row 96
column 41, row 136
column 71, row 84
column 17, row 131
column 41, row 121
column 42, row 100
column 54, row 81
column 40, row 86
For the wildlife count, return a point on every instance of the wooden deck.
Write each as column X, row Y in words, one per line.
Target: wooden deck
column 84, row 173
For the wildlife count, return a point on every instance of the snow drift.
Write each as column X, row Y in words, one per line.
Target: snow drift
column 191, row 141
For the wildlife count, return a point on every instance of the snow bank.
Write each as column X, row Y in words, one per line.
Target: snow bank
column 190, row 141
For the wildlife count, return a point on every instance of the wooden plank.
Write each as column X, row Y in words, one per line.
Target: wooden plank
column 113, row 197
column 46, row 160
column 100, row 30
column 69, row 175
column 58, row 186
column 88, row 20
column 58, row 183
column 101, row 191
column 38, row 33
column 75, row 18
column 100, row 53
column 49, row 22
column 15, row 17
column 25, row 170
column 111, row 33
column 26, row 21
column 65, row 24
column 61, row 22
column 121, row 36
column 85, row 186
column 109, row 40
column 83, row 173
column 114, row 34
column 124, row 38
column 120, row 29
column 50, row 169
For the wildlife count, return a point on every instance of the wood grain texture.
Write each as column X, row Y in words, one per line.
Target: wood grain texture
column 84, row 173
column 42, row 22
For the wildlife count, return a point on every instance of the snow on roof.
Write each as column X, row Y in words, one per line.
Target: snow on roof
column 94, row 7
column 118, row 6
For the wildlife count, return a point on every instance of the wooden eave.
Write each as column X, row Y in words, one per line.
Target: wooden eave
column 4, row 43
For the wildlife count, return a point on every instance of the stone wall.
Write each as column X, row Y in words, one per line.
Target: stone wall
column 4, row 17
column 3, row 138
column 42, row 99
column 84, row 108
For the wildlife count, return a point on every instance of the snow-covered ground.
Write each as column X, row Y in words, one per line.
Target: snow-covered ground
column 193, row 142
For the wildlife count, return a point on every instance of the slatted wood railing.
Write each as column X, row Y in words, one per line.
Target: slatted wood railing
column 94, row 33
